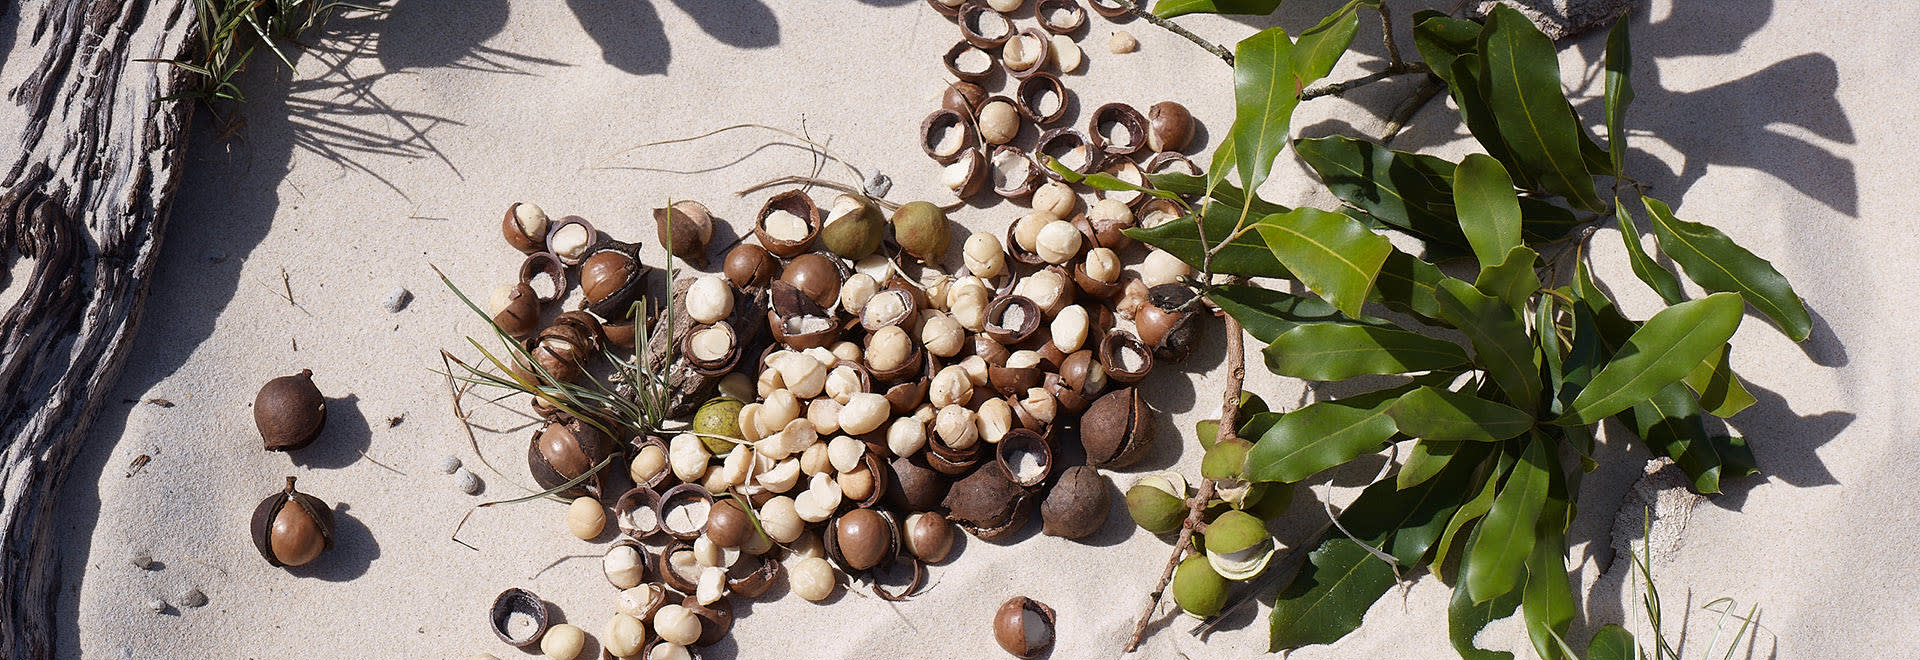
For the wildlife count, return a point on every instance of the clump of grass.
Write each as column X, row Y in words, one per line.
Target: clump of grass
column 1625, row 645
column 231, row 31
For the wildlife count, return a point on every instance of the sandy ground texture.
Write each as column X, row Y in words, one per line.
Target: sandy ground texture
column 396, row 143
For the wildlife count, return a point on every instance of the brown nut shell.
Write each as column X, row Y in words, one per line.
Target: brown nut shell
column 520, row 317
column 1124, row 170
column 987, row 504
column 663, row 567
column 716, row 619
column 289, row 412
column 755, row 583
column 799, row 204
column 639, row 498
column 905, row 396
column 973, row 19
column 690, row 225
column 929, row 537
column 793, row 313
column 963, row 97
column 1006, row 456
column 951, row 120
column 619, row 333
column 750, row 265
column 545, row 262
column 611, row 280
column 863, row 538
column 1164, row 326
column 291, row 528
column 1018, row 185
column 908, row 313
column 1169, row 127
column 518, row 601
column 587, row 327
column 727, row 524
column 816, row 275
column 1092, row 287
column 1039, row 62
column 1126, row 117
column 646, row 558
column 1067, row 146
column 1028, row 323
column 1166, row 162
column 1044, row 10
column 1014, row 250
column 570, row 259
column 1077, row 504
column 510, row 230
column 1117, row 349
column 562, row 450
column 975, row 162
column 915, row 364
column 1117, row 429
column 1108, row 8
column 952, row 61
column 1010, row 624
column 1028, row 95
column 945, row 9
column 1013, row 380
column 679, row 496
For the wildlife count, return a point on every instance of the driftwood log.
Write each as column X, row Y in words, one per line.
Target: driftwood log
column 83, row 203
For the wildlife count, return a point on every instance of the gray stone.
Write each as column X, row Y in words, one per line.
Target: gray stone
column 398, row 298
column 1560, row 19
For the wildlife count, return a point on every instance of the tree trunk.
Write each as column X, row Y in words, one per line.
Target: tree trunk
column 83, row 203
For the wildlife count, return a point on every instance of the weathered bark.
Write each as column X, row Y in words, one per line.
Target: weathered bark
column 84, row 200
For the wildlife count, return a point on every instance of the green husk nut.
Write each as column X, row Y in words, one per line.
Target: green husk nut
column 1158, row 503
column 854, row 227
column 1238, row 545
column 1197, row 589
column 1226, row 460
column 719, row 416
column 922, row 230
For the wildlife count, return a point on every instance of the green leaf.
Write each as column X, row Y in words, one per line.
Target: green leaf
column 1410, row 192
column 1501, row 344
column 1409, row 284
column 1342, row 579
column 1172, row 8
column 1499, row 553
column 1657, row 277
column 1334, row 255
column 1547, row 600
column 1316, row 437
column 1267, row 313
column 1512, row 280
column 1327, row 600
column 1488, row 206
column 1473, row 509
column 1269, row 72
column 1523, row 91
column 1619, row 93
column 1721, row 392
column 1436, row 414
column 1101, row 180
column 1246, row 255
column 1441, row 38
column 1665, row 349
column 1329, row 351
column 1426, row 459
column 1468, row 85
column 1612, row 642
column 1181, row 183
column 1670, row 424
column 1466, row 618
column 1716, row 263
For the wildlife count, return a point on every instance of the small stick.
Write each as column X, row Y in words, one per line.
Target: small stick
column 1197, row 505
column 1336, row 89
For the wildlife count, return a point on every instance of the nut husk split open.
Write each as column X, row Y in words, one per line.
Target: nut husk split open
column 291, row 528
column 520, row 601
column 639, row 498
column 963, row 97
column 1127, row 117
column 568, row 253
column 988, row 504
column 289, row 411
column 1117, row 429
column 797, row 321
column 973, row 19
column 612, row 278
column 562, row 450
column 1017, row 180
column 511, row 230
column 1114, row 351
column 915, row 487
column 692, row 230
column 797, row 203
column 1006, row 456
column 1164, row 326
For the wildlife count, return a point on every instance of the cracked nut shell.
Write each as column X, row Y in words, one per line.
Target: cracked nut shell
column 1024, row 627
column 291, row 528
column 564, row 449
column 1117, row 429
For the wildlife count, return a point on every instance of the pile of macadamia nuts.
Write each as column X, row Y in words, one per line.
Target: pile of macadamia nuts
column 852, row 388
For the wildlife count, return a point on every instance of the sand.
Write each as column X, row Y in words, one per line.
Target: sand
column 395, row 145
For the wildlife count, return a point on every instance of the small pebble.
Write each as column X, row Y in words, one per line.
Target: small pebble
column 449, row 463
column 141, row 559
column 191, row 597
column 467, row 481
column 878, row 184
column 157, row 605
column 398, row 298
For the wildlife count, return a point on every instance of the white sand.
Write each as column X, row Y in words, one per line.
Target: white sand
column 355, row 177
